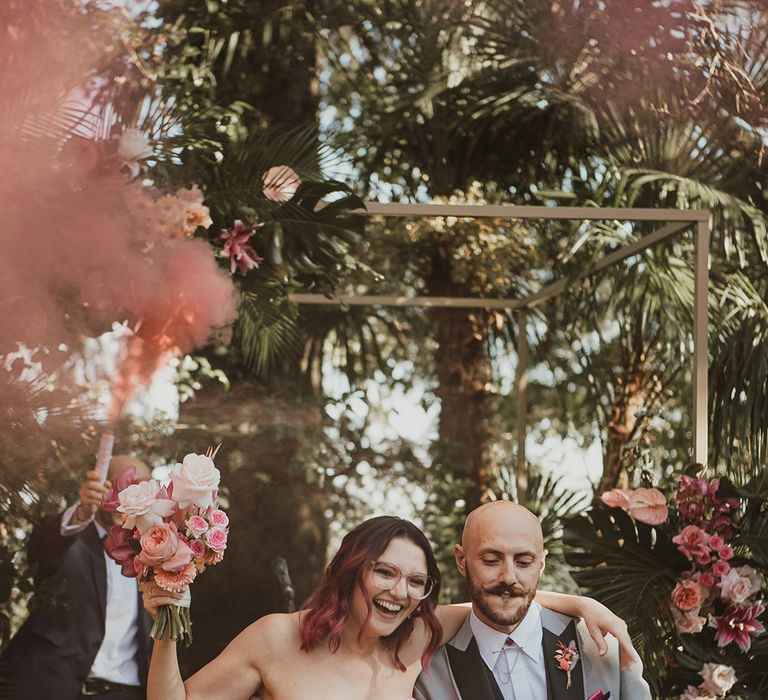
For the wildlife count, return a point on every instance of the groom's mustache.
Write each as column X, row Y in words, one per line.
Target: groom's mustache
column 512, row 591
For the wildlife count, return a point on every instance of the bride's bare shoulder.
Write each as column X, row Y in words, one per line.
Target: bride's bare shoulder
column 278, row 631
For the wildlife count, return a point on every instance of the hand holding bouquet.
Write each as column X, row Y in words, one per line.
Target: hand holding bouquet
column 169, row 535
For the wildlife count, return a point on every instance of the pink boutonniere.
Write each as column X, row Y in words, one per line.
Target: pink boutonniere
column 567, row 657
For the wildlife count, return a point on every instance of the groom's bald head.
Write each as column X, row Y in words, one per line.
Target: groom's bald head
column 502, row 520
column 502, row 556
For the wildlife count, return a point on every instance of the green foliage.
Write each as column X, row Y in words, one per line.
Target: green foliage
column 632, row 568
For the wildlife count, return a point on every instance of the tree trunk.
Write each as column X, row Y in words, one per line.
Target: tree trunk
column 621, row 427
column 463, row 369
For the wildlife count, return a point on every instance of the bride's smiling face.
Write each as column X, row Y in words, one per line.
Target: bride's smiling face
column 389, row 597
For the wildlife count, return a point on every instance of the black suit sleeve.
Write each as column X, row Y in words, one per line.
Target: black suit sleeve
column 47, row 547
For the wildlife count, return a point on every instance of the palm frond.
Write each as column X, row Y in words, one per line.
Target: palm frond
column 266, row 330
column 632, row 568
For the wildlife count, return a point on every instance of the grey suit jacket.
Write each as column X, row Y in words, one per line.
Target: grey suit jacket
column 599, row 672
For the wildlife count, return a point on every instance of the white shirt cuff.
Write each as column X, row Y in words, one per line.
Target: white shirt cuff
column 68, row 529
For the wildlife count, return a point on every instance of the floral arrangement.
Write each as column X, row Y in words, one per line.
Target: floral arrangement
column 169, row 534
column 720, row 589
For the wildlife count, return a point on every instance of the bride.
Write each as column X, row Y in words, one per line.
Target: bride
column 364, row 634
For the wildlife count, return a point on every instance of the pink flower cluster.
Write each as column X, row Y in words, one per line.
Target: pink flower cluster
column 713, row 589
column 165, row 538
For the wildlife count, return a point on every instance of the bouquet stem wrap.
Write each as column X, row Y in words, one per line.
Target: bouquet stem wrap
column 175, row 620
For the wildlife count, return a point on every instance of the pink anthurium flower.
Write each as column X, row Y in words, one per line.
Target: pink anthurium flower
column 648, row 506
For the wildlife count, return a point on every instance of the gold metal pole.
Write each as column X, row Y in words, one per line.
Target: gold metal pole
column 700, row 348
column 522, row 404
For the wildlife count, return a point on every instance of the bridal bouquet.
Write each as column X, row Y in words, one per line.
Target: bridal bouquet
column 169, row 534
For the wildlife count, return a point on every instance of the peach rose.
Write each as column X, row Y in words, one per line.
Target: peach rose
column 687, row 596
column 617, row 498
column 648, row 506
column 161, row 546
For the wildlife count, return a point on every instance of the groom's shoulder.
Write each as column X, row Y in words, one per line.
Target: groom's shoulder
column 554, row 621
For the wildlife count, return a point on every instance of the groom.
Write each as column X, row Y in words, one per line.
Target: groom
column 510, row 648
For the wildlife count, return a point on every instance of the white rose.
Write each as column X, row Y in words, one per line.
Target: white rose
column 688, row 623
column 195, row 481
column 142, row 507
column 133, row 146
column 718, row 678
column 752, row 576
column 739, row 583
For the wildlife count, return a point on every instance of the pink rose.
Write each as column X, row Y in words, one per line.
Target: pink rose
column 648, row 506
column 617, row 498
column 196, row 525
column 704, row 579
column 197, row 547
column 692, row 541
column 726, row 552
column 720, row 568
column 219, row 519
column 687, row 596
column 216, row 539
column 138, row 567
column 704, row 558
column 161, row 546
column 716, row 542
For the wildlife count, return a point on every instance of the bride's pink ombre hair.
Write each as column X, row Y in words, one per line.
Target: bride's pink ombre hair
column 329, row 606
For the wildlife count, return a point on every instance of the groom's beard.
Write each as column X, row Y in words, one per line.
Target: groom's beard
column 503, row 605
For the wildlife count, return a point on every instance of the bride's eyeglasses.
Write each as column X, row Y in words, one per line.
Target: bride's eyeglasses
column 387, row 576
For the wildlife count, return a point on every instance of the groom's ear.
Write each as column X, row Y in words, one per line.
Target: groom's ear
column 543, row 561
column 461, row 562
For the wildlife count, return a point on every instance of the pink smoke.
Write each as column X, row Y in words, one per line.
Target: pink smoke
column 80, row 246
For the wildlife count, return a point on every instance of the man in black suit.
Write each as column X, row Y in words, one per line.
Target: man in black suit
column 95, row 641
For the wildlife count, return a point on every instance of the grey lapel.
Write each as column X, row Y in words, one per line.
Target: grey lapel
column 470, row 675
column 599, row 672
